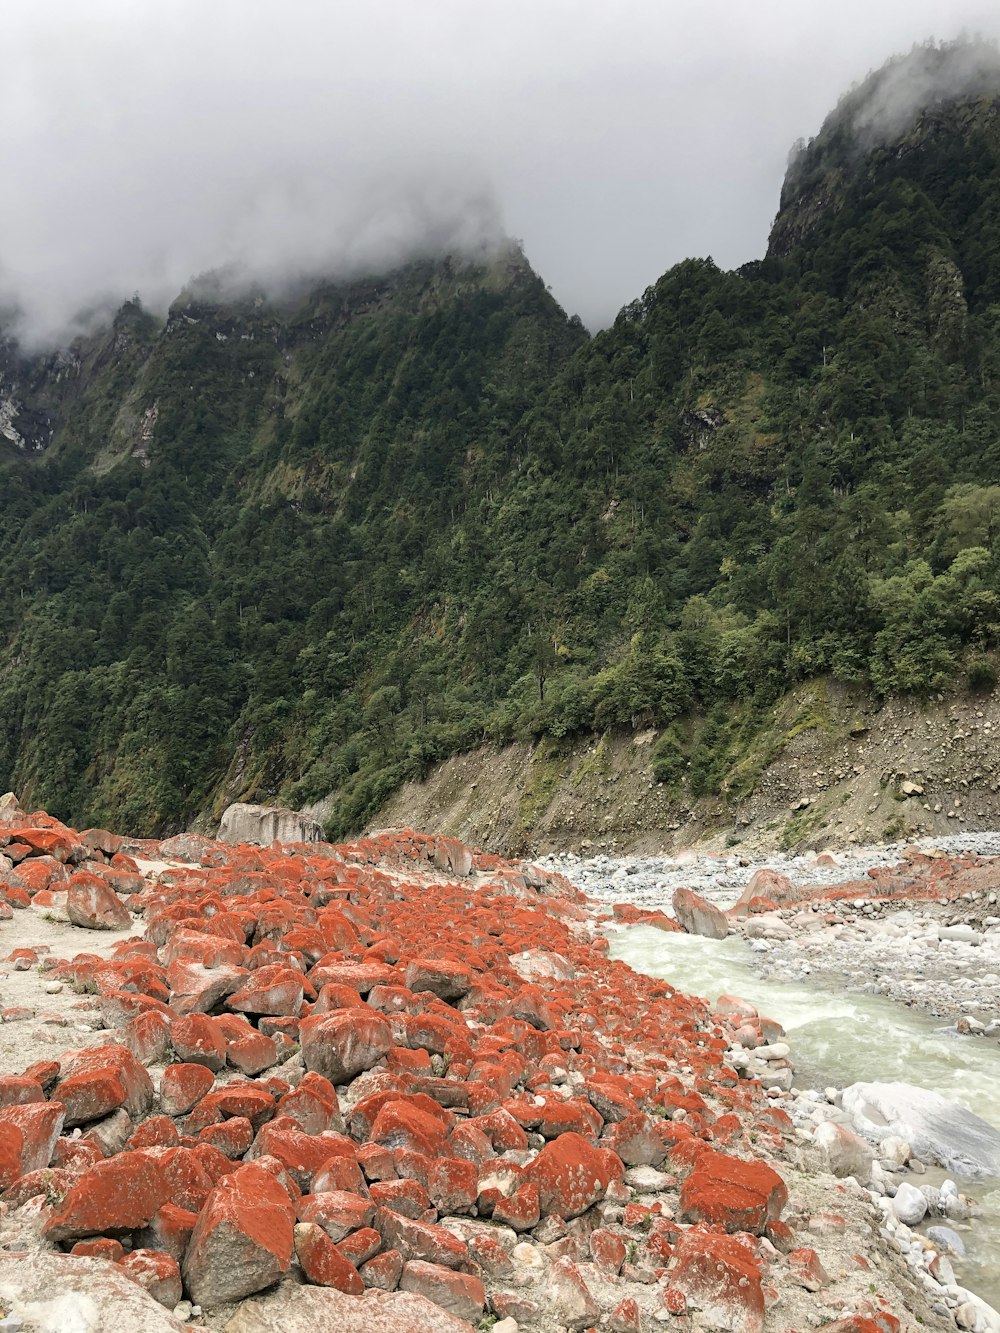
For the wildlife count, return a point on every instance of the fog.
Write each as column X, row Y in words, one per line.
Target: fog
column 141, row 144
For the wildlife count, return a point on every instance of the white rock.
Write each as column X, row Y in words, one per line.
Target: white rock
column 909, row 1205
column 936, row 1129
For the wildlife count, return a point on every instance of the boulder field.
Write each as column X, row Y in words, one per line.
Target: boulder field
column 390, row 1084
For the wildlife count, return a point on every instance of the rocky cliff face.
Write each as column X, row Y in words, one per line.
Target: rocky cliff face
column 882, row 125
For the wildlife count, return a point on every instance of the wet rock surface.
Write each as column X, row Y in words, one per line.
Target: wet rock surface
column 398, row 1083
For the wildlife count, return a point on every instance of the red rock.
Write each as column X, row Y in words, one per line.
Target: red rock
column 147, row 1036
column 195, row 989
column 337, row 1212
column 460, row 1294
column 734, row 1193
column 571, row 1175
column 699, row 917
column 233, row 1136
column 520, row 1210
column 40, row 1124
column 11, row 1154
column 421, row 1240
column 302, row 1155
column 444, row 977
column 57, row 843
column 718, row 1276
column 199, row 947
column 242, row 1241
column 322, row 1262
column 376, row 1162
column 343, row 1044
column 169, row 1230
column 158, row 1131
column 269, row 990
column 252, row 1054
column 407, row 1197
column 625, row 1317
column 470, row 1143
column 383, row 1271
column 607, row 1249
column 313, row 1105
column 340, row 1173
column 191, row 1174
column 155, row 1272
column 453, row 1185
column 99, row 1079
column 94, row 906
column 16, row 1090
column 51, row 1183
column 400, row 1124
column 182, row 1085
column 115, row 1196
column 502, row 1130
column 101, row 1247
column 44, row 1072
column 197, row 1039
column 806, row 1270
column 360, row 1246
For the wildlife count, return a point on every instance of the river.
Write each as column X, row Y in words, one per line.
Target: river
column 849, row 1037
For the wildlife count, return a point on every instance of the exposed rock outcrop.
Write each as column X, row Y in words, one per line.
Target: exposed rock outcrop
column 264, row 824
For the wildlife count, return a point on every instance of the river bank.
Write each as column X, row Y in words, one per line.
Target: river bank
column 395, row 1083
column 868, row 988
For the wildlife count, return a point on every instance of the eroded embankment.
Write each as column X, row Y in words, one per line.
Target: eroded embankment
column 390, row 1084
column 827, row 765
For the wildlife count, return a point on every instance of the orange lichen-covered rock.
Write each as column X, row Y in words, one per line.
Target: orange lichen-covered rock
column 11, row 1152
column 731, row 1192
column 197, row 1039
column 718, row 1276
column 242, row 1241
column 337, row 1212
column 272, row 991
column 313, row 1105
column 182, row 1085
column 571, row 1175
column 99, row 1079
column 155, row 1272
column 421, row 1240
column 40, row 1124
column 321, row 1261
column 118, row 1195
column 90, row 903
column 461, row 1294
column 343, row 1044
column 444, row 977
column 400, row 1124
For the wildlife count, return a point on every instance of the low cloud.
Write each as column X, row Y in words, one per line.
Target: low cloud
column 144, row 144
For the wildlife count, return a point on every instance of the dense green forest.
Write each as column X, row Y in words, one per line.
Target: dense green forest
column 276, row 549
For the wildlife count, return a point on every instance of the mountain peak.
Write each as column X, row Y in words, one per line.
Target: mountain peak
column 893, row 111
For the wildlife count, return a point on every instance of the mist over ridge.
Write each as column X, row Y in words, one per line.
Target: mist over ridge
column 143, row 147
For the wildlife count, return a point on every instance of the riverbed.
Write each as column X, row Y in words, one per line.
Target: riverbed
column 843, row 1037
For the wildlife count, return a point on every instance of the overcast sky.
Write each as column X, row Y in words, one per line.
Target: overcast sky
column 144, row 142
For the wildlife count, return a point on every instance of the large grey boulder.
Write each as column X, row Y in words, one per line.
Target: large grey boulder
column 936, row 1129
column 699, row 917
column 264, row 824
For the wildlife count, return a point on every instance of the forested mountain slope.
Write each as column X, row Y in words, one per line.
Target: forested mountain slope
column 286, row 549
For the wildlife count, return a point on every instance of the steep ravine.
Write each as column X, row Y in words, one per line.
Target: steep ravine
column 828, row 767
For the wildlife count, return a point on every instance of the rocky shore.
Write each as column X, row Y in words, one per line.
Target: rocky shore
column 399, row 1084
column 918, row 923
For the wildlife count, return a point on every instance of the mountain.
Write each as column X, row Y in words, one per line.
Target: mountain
column 305, row 548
